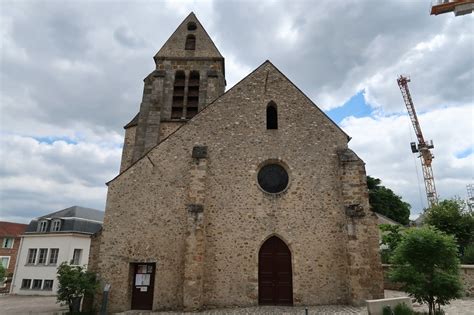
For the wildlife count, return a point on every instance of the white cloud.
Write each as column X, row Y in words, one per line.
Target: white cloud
column 383, row 143
column 68, row 73
column 39, row 177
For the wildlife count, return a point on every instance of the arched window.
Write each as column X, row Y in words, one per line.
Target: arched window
column 178, row 95
column 193, row 95
column 190, row 42
column 272, row 116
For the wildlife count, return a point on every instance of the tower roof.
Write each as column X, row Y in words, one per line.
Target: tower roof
column 175, row 45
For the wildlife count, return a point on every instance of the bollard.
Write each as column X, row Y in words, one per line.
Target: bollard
column 305, row 311
column 103, row 308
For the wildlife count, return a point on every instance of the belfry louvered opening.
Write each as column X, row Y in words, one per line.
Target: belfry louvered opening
column 178, row 95
column 193, row 95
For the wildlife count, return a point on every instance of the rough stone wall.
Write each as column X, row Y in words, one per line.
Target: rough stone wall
column 365, row 268
column 174, row 46
column 146, row 213
column 168, row 127
column 158, row 97
column 128, row 148
column 467, row 276
column 195, row 234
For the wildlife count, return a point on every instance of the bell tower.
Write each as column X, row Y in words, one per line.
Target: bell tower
column 189, row 75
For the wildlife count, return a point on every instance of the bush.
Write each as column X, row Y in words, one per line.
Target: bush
column 427, row 266
column 386, row 310
column 3, row 272
column 468, row 257
column 74, row 283
column 402, row 309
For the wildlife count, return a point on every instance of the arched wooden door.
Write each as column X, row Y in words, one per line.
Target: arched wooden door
column 275, row 286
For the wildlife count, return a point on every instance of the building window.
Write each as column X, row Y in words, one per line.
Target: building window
column 53, row 256
column 76, row 257
column 31, row 256
column 48, row 285
column 190, row 42
column 5, row 261
column 7, row 242
column 56, row 226
column 37, row 284
column 272, row 116
column 25, row 284
column 178, row 95
column 192, row 26
column 43, row 226
column 43, row 253
column 193, row 95
column 273, row 178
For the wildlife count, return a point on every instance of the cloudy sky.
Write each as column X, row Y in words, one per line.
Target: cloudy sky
column 72, row 71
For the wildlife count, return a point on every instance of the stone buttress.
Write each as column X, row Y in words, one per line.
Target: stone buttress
column 364, row 266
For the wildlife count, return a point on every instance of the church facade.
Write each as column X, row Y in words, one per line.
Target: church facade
column 237, row 198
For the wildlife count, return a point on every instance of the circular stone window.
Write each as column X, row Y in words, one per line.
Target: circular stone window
column 273, row 178
column 192, row 26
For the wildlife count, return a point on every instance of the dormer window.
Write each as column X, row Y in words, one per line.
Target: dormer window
column 190, row 42
column 56, row 225
column 43, row 226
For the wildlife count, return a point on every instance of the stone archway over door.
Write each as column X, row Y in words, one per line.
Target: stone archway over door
column 275, row 286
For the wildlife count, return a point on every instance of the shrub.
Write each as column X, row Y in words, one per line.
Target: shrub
column 426, row 264
column 386, row 310
column 402, row 309
column 74, row 283
column 468, row 257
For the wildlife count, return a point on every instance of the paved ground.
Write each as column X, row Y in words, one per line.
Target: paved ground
column 47, row 305
column 17, row 304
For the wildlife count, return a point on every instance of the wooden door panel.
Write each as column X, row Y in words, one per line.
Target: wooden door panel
column 274, row 273
column 142, row 286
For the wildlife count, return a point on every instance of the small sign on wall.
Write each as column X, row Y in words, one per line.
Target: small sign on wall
column 142, row 279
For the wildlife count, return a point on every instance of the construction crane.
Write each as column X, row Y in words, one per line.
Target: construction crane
column 423, row 147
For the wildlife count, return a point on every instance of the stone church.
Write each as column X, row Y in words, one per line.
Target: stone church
column 237, row 198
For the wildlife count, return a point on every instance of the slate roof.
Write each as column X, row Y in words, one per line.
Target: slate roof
column 12, row 229
column 74, row 219
column 132, row 122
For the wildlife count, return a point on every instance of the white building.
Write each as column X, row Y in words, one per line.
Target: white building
column 50, row 240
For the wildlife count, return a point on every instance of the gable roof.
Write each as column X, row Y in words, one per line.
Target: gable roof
column 265, row 63
column 386, row 220
column 76, row 212
column 174, row 46
column 12, row 229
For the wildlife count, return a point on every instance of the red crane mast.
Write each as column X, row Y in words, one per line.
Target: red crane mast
column 423, row 146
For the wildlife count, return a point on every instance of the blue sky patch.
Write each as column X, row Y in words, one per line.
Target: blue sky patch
column 356, row 107
column 465, row 153
column 52, row 139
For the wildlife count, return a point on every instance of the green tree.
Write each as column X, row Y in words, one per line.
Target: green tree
column 451, row 217
column 73, row 283
column 426, row 264
column 391, row 237
column 3, row 272
column 384, row 201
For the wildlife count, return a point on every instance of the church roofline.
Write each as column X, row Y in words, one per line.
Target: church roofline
column 190, row 16
column 214, row 101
